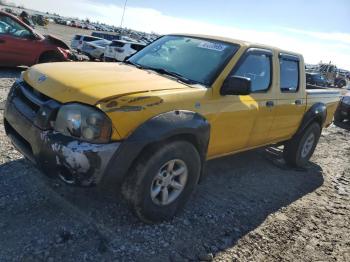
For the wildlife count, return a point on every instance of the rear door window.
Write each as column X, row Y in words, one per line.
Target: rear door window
column 77, row 37
column 289, row 73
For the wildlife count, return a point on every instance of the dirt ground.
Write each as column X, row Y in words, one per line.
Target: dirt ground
column 250, row 207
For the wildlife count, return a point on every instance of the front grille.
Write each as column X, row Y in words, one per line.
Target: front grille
column 35, row 106
column 31, row 97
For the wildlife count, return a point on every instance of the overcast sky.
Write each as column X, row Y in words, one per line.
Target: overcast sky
column 319, row 29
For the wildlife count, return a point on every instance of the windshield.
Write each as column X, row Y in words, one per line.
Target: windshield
column 196, row 59
column 11, row 27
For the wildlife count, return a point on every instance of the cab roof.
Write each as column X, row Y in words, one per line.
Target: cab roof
column 239, row 42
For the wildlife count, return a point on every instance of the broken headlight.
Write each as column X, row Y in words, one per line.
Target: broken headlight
column 83, row 122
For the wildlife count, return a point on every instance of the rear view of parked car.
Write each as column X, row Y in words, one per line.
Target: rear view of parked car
column 78, row 41
column 95, row 49
column 21, row 45
column 119, row 50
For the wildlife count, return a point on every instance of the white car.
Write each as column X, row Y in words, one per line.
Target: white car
column 78, row 41
column 119, row 50
column 95, row 49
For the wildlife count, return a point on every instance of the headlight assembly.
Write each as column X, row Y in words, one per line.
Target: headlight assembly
column 83, row 122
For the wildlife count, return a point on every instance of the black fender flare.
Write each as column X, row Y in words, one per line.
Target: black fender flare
column 173, row 124
column 316, row 113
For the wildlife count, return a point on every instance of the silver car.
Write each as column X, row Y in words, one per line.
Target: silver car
column 95, row 49
column 78, row 41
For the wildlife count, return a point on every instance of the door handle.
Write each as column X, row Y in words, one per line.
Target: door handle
column 270, row 103
column 2, row 41
column 298, row 102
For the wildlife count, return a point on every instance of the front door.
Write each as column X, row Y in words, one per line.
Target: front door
column 246, row 121
column 257, row 65
column 16, row 45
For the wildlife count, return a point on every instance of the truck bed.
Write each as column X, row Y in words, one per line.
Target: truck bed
column 330, row 97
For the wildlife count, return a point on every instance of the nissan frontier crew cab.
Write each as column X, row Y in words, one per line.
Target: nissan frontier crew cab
column 151, row 122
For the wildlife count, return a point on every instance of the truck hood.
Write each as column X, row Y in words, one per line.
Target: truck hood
column 91, row 83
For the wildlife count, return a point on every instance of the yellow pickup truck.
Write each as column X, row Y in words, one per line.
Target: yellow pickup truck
column 151, row 122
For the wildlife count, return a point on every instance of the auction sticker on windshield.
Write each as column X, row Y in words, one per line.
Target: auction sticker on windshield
column 212, row 46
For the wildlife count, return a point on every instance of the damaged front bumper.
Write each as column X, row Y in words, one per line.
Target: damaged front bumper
column 26, row 119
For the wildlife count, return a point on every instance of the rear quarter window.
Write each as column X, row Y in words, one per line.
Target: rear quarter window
column 77, row 37
column 289, row 74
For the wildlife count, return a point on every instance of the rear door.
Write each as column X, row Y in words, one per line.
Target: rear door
column 291, row 99
column 17, row 43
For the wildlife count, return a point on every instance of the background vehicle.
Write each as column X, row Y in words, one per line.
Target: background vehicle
column 331, row 73
column 153, row 121
column 40, row 20
column 316, row 79
column 78, row 41
column 343, row 110
column 95, row 49
column 106, row 36
column 22, row 45
column 119, row 50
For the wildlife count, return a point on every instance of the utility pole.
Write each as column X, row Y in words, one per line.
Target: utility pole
column 121, row 22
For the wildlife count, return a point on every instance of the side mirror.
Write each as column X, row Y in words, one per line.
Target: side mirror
column 236, row 85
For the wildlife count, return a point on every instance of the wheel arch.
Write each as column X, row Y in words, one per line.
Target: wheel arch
column 157, row 131
column 48, row 53
column 316, row 113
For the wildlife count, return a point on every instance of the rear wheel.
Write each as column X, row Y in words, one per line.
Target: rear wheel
column 341, row 83
column 162, row 181
column 300, row 148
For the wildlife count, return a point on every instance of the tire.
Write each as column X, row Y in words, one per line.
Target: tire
column 148, row 175
column 300, row 148
column 341, row 83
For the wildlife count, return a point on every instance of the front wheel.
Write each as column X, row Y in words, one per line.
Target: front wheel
column 300, row 148
column 162, row 181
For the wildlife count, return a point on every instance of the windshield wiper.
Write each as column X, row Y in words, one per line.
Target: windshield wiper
column 173, row 74
column 164, row 72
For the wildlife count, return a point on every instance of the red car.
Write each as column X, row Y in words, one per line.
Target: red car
column 22, row 45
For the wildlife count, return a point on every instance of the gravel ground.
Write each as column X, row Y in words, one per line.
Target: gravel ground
column 250, row 207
